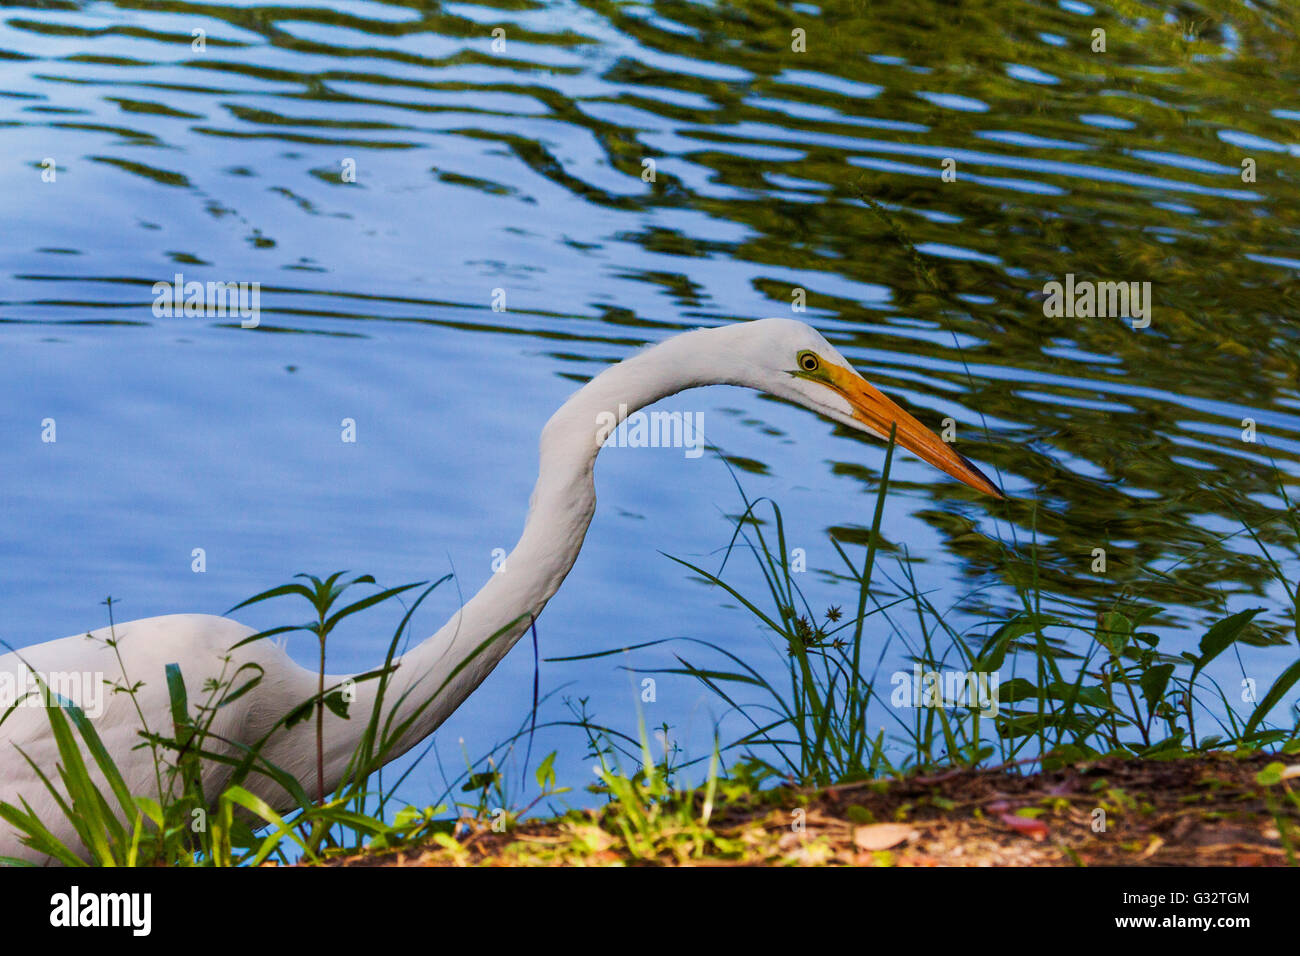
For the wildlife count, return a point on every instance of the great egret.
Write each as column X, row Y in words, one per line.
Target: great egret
column 782, row 357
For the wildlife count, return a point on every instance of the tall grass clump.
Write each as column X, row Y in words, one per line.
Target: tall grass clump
column 1079, row 687
column 205, row 810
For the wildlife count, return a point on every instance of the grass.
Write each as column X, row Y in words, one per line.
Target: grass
column 1099, row 689
column 183, row 822
column 1218, row 810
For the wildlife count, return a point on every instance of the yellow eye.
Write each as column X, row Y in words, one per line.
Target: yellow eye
column 808, row 361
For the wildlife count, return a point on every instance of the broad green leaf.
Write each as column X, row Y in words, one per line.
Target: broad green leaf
column 1222, row 634
column 1153, row 682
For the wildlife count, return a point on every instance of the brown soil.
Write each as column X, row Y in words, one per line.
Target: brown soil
column 1186, row 812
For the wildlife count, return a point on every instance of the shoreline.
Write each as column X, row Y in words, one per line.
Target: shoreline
column 1199, row 811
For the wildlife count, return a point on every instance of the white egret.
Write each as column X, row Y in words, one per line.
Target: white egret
column 782, row 357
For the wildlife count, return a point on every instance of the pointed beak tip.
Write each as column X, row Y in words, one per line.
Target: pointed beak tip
column 983, row 483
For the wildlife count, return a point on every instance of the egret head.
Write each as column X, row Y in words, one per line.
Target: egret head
column 795, row 362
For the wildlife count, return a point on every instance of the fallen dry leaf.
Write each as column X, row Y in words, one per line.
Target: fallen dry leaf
column 790, row 840
column 881, row 836
column 1027, row 826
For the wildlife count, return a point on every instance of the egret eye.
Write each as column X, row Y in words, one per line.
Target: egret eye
column 808, row 361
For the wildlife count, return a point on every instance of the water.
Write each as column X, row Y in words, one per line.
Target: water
column 524, row 169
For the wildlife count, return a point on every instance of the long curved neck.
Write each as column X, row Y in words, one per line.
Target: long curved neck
column 435, row 677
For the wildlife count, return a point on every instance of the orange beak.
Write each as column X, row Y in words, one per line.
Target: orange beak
column 873, row 409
